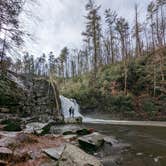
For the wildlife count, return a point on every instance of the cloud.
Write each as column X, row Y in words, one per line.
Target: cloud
column 61, row 22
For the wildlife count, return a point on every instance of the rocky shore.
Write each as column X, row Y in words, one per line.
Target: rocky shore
column 42, row 144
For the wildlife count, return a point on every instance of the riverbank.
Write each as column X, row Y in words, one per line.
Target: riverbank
column 61, row 145
column 131, row 145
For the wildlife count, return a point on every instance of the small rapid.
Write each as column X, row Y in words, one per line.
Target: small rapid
column 67, row 103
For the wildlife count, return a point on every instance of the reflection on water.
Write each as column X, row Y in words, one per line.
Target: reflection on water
column 148, row 143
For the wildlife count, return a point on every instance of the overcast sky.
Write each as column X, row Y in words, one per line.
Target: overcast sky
column 59, row 23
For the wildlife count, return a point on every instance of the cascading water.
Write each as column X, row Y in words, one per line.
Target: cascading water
column 66, row 104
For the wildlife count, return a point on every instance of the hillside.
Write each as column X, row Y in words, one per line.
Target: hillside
column 106, row 95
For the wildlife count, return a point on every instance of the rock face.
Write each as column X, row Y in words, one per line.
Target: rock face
column 41, row 100
column 29, row 96
column 73, row 156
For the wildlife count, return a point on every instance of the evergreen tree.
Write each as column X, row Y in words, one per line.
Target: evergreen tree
column 93, row 32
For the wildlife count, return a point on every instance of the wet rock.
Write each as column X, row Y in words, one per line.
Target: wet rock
column 54, row 153
column 74, row 130
column 76, row 120
column 73, row 156
column 84, row 132
column 91, row 142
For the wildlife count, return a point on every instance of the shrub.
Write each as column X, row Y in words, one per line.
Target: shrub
column 148, row 105
column 121, row 103
column 12, row 125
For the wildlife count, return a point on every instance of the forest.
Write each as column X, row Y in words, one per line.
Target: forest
column 121, row 62
column 102, row 103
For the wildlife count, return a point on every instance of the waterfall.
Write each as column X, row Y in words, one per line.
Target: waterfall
column 66, row 104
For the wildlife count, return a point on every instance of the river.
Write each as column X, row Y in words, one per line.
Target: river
column 148, row 144
column 147, row 138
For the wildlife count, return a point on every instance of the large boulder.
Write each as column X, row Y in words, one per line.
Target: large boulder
column 91, row 142
column 73, row 156
column 54, row 153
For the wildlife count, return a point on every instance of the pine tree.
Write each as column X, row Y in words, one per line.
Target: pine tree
column 93, row 32
column 137, row 31
column 122, row 27
column 63, row 56
column 110, row 19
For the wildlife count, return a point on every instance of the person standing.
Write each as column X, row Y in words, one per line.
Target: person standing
column 70, row 111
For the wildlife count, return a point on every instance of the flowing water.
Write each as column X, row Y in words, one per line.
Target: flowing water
column 66, row 104
column 147, row 139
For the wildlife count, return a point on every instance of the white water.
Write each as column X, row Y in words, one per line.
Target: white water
column 67, row 103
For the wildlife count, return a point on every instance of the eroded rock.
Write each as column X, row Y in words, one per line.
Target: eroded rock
column 91, row 142
column 73, row 156
column 54, row 153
